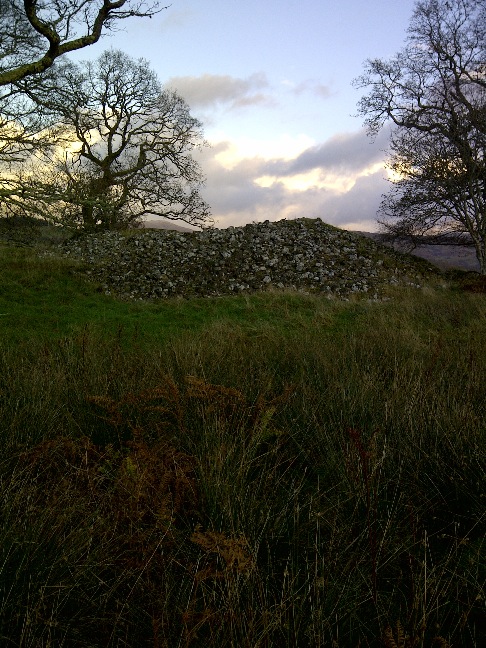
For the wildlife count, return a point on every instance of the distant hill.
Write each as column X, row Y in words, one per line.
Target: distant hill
column 443, row 256
column 166, row 225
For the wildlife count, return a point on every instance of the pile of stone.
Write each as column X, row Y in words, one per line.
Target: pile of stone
column 303, row 254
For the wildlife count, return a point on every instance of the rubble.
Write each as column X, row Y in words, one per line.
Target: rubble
column 303, row 254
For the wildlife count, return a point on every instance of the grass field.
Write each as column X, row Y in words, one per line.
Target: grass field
column 271, row 470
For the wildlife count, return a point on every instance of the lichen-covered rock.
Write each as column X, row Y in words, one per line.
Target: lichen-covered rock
column 303, row 254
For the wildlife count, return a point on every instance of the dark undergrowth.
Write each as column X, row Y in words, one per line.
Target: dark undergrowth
column 288, row 471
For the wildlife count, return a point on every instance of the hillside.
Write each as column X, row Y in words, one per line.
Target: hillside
column 303, row 254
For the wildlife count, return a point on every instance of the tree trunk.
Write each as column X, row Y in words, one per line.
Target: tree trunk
column 481, row 256
column 87, row 213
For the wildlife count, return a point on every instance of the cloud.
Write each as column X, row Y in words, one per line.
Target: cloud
column 340, row 180
column 211, row 90
column 334, row 165
column 281, row 148
column 310, row 86
column 356, row 209
column 177, row 19
column 343, row 153
column 314, row 87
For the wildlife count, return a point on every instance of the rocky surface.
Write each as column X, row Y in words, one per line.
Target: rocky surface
column 303, row 254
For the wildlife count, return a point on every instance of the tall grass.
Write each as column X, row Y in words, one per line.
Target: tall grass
column 290, row 472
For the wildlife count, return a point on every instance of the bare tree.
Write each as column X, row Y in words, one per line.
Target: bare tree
column 435, row 198
column 127, row 150
column 434, row 94
column 33, row 35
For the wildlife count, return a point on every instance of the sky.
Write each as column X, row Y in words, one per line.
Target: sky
column 271, row 81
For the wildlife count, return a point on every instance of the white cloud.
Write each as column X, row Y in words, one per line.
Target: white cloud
column 343, row 153
column 340, row 180
column 285, row 147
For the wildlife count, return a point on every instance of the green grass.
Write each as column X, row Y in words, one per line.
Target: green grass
column 42, row 297
column 275, row 470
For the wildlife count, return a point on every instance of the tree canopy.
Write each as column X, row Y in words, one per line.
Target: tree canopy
column 34, row 34
column 123, row 149
column 93, row 145
column 434, row 94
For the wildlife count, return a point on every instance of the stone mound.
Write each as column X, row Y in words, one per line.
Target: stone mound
column 302, row 254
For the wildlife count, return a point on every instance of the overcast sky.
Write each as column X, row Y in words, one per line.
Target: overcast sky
column 271, row 82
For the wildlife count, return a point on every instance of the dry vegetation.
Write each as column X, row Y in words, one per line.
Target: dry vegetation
column 316, row 479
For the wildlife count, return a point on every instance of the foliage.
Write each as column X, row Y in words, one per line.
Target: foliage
column 434, row 93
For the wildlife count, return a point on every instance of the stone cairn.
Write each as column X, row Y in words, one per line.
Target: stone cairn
column 304, row 254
